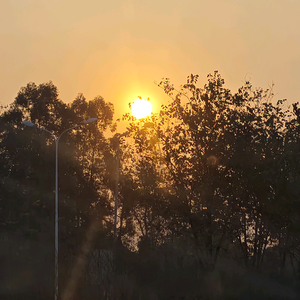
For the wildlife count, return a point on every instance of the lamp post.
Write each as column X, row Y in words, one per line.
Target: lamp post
column 56, row 139
column 117, row 186
column 118, row 137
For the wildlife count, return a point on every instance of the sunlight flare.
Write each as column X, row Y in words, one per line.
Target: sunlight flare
column 141, row 108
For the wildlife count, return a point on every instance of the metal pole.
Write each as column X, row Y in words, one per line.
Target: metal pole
column 56, row 220
column 56, row 208
column 117, row 187
column 56, row 139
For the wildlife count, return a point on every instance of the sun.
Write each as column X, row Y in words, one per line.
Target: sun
column 141, row 108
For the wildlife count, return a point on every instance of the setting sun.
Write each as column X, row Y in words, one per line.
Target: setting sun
column 141, row 108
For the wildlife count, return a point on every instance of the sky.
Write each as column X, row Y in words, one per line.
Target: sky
column 117, row 49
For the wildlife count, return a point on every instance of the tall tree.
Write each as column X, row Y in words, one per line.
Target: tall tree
column 28, row 168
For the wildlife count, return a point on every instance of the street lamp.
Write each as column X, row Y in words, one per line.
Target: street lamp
column 118, row 136
column 56, row 139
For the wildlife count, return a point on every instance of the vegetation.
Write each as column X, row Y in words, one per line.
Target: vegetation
column 208, row 197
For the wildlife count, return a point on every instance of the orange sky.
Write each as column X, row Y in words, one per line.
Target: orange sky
column 118, row 48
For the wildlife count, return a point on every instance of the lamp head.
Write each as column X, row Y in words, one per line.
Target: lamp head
column 28, row 123
column 91, row 120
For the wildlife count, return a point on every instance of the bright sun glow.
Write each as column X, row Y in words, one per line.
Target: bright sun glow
column 141, row 108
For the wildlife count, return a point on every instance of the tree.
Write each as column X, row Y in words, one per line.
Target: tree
column 218, row 149
column 27, row 172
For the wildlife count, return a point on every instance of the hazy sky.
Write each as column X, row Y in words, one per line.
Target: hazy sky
column 118, row 48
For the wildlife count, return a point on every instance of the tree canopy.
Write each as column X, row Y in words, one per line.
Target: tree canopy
column 213, row 175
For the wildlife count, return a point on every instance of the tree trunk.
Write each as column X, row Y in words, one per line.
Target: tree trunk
column 283, row 263
column 263, row 251
column 255, row 244
column 243, row 245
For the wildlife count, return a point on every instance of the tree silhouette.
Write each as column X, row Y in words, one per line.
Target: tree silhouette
column 214, row 176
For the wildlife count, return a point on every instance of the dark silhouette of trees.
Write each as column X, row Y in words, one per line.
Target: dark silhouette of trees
column 208, row 196
column 27, row 173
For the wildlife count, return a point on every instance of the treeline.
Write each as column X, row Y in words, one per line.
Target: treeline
column 207, row 193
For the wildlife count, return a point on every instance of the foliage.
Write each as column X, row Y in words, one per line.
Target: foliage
column 213, row 177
